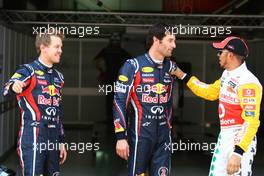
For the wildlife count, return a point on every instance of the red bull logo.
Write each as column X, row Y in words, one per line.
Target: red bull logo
column 48, row 101
column 146, row 98
column 51, row 90
column 158, row 88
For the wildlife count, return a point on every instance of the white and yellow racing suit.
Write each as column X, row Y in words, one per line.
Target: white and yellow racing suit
column 239, row 93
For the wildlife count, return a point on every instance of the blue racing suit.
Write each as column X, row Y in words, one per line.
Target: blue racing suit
column 41, row 129
column 146, row 87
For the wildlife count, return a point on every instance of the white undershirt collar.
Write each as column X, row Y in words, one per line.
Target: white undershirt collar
column 48, row 66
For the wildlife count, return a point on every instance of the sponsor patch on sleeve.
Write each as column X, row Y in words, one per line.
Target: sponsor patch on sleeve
column 249, row 107
column 16, row 75
column 249, row 113
column 118, row 127
column 122, row 78
column 249, row 100
column 248, row 93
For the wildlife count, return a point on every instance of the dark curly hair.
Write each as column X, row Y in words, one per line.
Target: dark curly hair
column 157, row 30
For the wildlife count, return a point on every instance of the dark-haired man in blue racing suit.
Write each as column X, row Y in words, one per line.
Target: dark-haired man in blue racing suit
column 145, row 83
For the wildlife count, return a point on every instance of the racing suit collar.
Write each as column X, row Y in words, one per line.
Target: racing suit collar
column 43, row 66
column 151, row 60
column 238, row 70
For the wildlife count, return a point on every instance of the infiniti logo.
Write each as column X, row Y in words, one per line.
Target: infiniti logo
column 157, row 109
column 51, row 111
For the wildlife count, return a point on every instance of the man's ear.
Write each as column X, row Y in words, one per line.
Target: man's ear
column 42, row 48
column 230, row 54
column 155, row 39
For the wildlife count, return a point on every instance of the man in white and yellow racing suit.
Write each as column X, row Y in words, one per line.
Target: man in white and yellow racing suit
column 239, row 93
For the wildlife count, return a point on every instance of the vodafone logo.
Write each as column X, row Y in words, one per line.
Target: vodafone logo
column 248, row 92
column 227, row 122
column 221, row 110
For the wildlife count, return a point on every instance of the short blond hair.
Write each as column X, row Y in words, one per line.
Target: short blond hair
column 45, row 38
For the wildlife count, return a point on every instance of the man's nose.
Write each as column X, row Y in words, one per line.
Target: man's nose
column 60, row 50
column 173, row 45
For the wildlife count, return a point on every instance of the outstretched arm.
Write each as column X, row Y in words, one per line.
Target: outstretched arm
column 19, row 81
column 199, row 88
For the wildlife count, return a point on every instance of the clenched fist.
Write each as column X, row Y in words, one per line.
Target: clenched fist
column 17, row 86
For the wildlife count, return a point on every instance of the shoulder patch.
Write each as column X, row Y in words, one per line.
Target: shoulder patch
column 123, row 78
column 39, row 72
column 16, row 75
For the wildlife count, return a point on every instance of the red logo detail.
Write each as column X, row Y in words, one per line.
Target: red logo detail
column 148, row 80
column 46, row 90
column 148, row 99
column 56, row 92
column 117, row 125
column 56, row 101
column 44, row 101
column 249, row 107
column 229, row 89
column 230, row 114
column 42, row 82
column 48, row 101
column 248, row 93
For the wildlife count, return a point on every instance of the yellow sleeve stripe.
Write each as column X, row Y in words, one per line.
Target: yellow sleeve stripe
column 203, row 90
column 250, row 99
